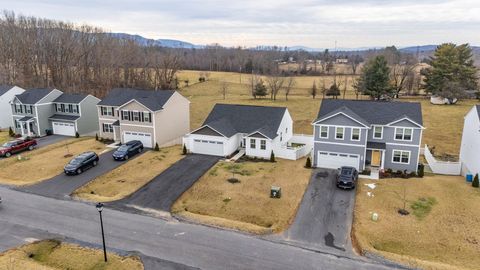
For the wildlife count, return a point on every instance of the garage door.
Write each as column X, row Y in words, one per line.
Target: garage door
column 336, row 160
column 63, row 128
column 208, row 147
column 145, row 138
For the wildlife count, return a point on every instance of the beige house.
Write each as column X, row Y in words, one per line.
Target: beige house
column 149, row 116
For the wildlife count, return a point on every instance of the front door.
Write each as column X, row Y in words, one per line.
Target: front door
column 376, row 157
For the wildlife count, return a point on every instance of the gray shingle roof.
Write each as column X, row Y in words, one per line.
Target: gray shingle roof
column 4, row 89
column 32, row 96
column 230, row 119
column 64, row 117
column 154, row 100
column 70, row 98
column 376, row 145
column 373, row 112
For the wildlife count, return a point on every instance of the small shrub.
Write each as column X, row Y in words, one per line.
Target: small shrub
column 272, row 157
column 421, row 170
column 77, row 135
column 10, row 132
column 308, row 163
column 233, row 180
column 184, row 150
column 226, row 200
column 475, row 182
column 96, row 136
column 157, row 148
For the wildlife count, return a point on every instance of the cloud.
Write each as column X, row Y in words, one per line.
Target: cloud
column 281, row 22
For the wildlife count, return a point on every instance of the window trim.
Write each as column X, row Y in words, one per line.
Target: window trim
column 107, row 128
column 328, row 131
column 381, row 132
column 343, row 133
column 401, row 155
column 263, row 144
column 253, row 143
column 403, row 134
column 359, row 134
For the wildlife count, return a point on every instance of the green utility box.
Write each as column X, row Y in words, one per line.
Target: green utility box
column 275, row 192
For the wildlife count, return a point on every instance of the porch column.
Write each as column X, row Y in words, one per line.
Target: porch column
column 21, row 128
column 28, row 129
column 383, row 160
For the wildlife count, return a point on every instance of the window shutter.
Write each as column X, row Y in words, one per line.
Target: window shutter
column 113, row 111
column 142, row 117
column 121, row 115
column 150, row 117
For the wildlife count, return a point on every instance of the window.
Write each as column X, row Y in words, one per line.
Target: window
column 252, row 143
column 339, row 133
column 17, row 124
column 403, row 134
column 146, row 117
column 263, row 144
column 401, row 156
column 125, row 115
column 107, row 128
column 62, row 107
column 355, row 134
column 106, row 111
column 324, row 132
column 377, row 132
column 28, row 109
column 286, row 130
column 75, row 109
column 136, row 116
column 70, row 108
column 18, row 108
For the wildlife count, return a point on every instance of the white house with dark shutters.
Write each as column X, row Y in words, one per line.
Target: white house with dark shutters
column 7, row 93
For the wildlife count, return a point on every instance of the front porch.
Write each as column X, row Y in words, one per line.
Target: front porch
column 27, row 126
column 374, row 160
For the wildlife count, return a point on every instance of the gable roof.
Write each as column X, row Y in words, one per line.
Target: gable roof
column 153, row 100
column 32, row 96
column 372, row 112
column 70, row 98
column 230, row 119
column 5, row 88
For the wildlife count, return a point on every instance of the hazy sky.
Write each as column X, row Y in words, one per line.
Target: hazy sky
column 352, row 23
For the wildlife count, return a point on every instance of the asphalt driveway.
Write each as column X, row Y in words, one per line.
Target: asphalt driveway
column 61, row 186
column 47, row 140
column 160, row 193
column 325, row 216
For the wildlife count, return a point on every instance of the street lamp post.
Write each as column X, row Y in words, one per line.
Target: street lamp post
column 100, row 209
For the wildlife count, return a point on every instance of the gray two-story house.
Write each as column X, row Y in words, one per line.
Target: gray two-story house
column 37, row 110
column 368, row 134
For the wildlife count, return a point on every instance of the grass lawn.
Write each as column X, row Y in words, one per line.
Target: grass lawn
column 130, row 176
column 246, row 205
column 444, row 123
column 4, row 137
column 441, row 232
column 53, row 255
column 45, row 162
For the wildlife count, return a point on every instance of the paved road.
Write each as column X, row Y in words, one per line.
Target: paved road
column 187, row 244
column 325, row 216
column 61, row 186
column 164, row 190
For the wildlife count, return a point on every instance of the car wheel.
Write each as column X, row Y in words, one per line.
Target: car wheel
column 30, row 148
column 126, row 157
column 8, row 154
column 79, row 171
column 95, row 163
column 140, row 150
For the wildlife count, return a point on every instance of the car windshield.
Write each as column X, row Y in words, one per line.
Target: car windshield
column 8, row 144
column 346, row 171
column 76, row 161
column 123, row 148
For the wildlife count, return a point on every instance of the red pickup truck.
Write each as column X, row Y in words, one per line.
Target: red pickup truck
column 18, row 145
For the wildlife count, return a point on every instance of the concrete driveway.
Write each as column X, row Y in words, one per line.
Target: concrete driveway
column 164, row 190
column 61, row 186
column 325, row 216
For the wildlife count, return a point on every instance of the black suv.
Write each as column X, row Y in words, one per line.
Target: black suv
column 347, row 177
column 127, row 150
column 81, row 163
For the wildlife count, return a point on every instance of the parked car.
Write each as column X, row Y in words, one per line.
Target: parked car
column 81, row 163
column 347, row 177
column 127, row 150
column 16, row 146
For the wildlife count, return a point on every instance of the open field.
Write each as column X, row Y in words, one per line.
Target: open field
column 53, row 255
column 4, row 137
column 442, row 232
column 444, row 123
column 130, row 176
column 214, row 200
column 44, row 163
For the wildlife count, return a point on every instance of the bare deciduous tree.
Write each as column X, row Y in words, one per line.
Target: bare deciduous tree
column 289, row 85
column 224, row 88
column 275, row 83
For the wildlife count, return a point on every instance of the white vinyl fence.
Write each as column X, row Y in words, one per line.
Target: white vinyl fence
column 441, row 167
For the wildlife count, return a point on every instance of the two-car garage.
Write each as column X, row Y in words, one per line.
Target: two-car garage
column 208, row 147
column 334, row 160
column 64, row 128
column 145, row 138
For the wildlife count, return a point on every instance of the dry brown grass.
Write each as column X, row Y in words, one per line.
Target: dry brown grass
column 129, row 177
column 45, row 162
column 246, row 205
column 53, row 255
column 4, row 137
column 446, row 238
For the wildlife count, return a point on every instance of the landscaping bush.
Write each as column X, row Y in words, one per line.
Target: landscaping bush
column 96, row 136
column 475, row 182
column 184, row 150
column 77, row 135
column 201, row 79
column 10, row 132
column 421, row 170
column 157, row 148
column 272, row 157
column 365, row 172
column 308, row 163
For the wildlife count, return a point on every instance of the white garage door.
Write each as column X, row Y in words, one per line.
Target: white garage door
column 145, row 138
column 336, row 160
column 63, row 128
column 208, row 147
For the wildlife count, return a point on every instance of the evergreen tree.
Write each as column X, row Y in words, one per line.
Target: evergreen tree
column 313, row 90
column 260, row 89
column 308, row 163
column 184, row 150
column 272, row 157
column 375, row 79
column 156, row 147
column 10, row 132
column 475, row 182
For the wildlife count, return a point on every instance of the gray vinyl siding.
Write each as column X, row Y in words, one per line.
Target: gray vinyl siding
column 411, row 167
column 354, row 150
column 88, row 121
column 43, row 113
column 340, row 120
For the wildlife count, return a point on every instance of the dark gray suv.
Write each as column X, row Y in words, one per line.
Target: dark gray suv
column 347, row 177
column 81, row 163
